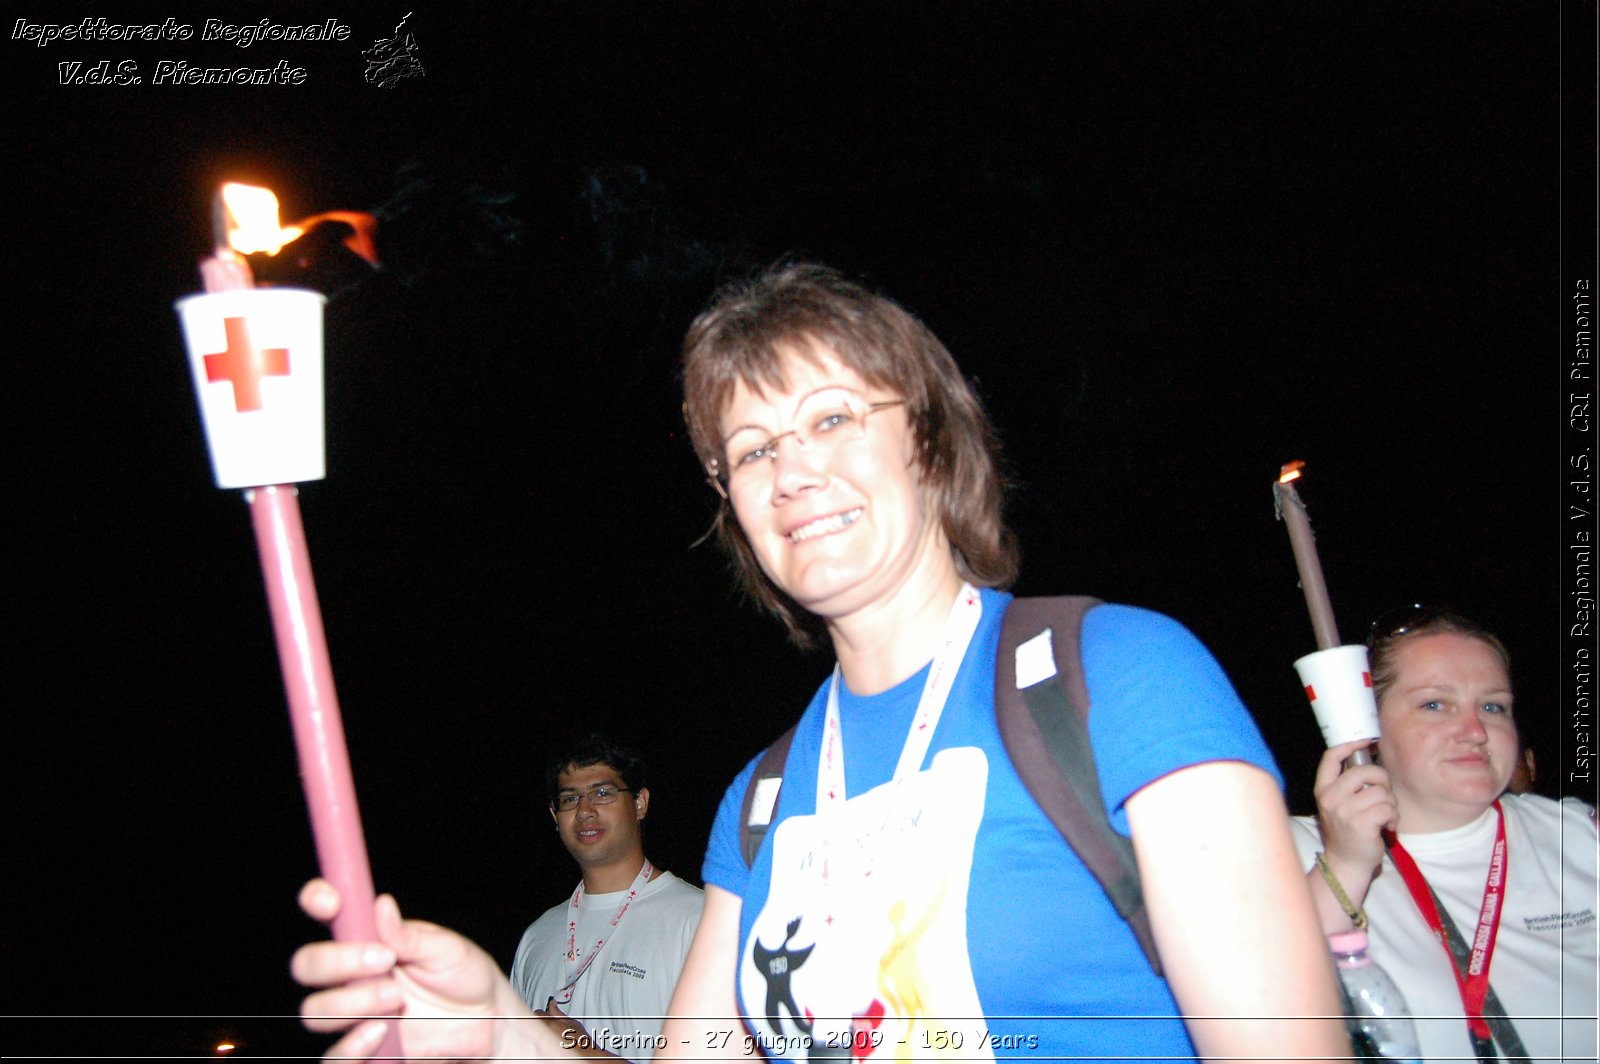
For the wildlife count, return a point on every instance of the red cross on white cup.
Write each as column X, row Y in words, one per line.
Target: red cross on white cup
column 256, row 359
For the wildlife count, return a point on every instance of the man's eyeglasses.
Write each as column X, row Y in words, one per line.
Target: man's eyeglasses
column 824, row 422
column 604, row 794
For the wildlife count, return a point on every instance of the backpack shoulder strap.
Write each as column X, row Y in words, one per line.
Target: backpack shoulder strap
column 761, row 797
column 1044, row 724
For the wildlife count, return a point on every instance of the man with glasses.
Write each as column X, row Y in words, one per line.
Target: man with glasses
column 610, row 955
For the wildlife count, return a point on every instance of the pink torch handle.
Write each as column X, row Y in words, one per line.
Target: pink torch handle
column 313, row 707
column 308, row 680
column 1309, row 564
column 1306, row 561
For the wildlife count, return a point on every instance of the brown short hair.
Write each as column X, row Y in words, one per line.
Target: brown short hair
column 743, row 337
column 1398, row 626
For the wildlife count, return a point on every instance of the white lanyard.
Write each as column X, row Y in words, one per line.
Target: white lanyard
column 958, row 629
column 574, row 971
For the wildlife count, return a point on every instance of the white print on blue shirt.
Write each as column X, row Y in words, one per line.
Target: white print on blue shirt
column 862, row 941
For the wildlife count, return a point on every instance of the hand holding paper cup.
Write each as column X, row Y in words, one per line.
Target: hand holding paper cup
column 1338, row 681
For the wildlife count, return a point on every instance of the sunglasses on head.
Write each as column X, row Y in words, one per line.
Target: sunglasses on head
column 1391, row 624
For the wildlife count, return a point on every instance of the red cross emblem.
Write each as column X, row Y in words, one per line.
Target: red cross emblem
column 243, row 364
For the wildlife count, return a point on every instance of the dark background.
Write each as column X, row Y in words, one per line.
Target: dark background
column 1176, row 245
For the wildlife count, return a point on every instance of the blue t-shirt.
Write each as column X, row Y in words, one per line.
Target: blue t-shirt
column 967, row 917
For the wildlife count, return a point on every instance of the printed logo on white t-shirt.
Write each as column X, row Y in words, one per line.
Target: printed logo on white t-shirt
column 1559, row 921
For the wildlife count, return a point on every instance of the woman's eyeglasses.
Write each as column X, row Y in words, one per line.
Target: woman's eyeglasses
column 824, row 422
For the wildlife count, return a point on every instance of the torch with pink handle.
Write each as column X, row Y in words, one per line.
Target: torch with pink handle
column 256, row 359
column 1337, row 679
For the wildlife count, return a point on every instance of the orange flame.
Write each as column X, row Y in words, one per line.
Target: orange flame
column 1291, row 471
column 250, row 220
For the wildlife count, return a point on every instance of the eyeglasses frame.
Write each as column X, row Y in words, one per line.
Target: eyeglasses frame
column 716, row 477
column 578, row 797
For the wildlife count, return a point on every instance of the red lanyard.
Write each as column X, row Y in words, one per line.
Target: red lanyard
column 1474, row 983
column 570, row 954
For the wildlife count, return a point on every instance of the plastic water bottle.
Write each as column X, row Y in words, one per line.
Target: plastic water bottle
column 1380, row 1024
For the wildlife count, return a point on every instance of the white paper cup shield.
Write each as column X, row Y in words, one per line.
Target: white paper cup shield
column 1338, row 681
column 256, row 359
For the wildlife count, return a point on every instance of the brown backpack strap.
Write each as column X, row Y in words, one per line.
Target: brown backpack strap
column 770, row 767
column 1045, row 728
column 1046, row 735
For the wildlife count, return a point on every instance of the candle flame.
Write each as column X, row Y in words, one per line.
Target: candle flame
column 1291, row 471
column 251, row 220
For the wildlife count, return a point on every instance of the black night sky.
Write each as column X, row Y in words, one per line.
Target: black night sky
column 1176, row 245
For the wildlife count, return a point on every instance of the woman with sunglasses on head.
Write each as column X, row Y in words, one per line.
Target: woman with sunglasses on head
column 910, row 898
column 1431, row 855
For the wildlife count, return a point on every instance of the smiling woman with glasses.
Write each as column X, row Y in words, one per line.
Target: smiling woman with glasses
column 1481, row 904
column 910, row 899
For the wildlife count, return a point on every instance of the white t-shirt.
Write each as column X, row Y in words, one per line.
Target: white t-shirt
column 1544, row 965
column 623, row 995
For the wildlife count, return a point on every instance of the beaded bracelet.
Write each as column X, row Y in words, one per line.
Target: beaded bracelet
column 1356, row 913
